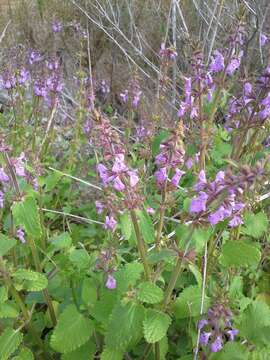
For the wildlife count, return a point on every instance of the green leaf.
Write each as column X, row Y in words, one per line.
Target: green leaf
column 188, row 303
column 62, row 241
column 146, row 227
column 86, row 351
column 25, row 354
column 239, row 253
column 231, row 351
column 26, row 215
column 30, row 280
column 104, row 306
column 89, row 292
column 254, row 323
column 126, row 225
column 255, row 224
column 72, row 330
column 149, row 293
column 130, row 316
column 155, row 325
column 80, row 258
column 6, row 244
column 127, row 276
column 112, row 354
column 9, row 342
column 8, row 311
column 3, row 294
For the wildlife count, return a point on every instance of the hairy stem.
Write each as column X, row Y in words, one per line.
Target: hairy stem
column 141, row 245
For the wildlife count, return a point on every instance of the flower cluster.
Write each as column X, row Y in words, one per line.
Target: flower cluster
column 170, row 158
column 105, row 263
column 167, row 54
column 217, row 328
column 132, row 95
column 223, row 198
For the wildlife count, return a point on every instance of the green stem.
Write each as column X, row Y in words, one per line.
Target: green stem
column 15, row 294
column 157, row 351
column 141, row 245
column 45, row 291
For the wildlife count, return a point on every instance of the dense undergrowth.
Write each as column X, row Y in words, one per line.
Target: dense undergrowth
column 126, row 233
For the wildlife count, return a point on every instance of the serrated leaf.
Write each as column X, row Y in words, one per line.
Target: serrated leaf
column 8, row 311
column 126, row 225
column 9, row 342
column 80, row 258
column 146, row 227
column 25, row 354
column 26, row 215
column 188, row 303
column 231, row 350
column 149, row 293
column 239, row 253
column 62, row 241
column 112, row 354
column 254, row 323
column 86, row 351
column 104, row 306
column 30, row 280
column 128, row 276
column 72, row 331
column 6, row 244
column 255, row 224
column 130, row 316
column 155, row 325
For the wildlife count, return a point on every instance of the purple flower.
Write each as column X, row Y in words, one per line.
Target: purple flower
column 136, row 99
column 217, row 345
column 99, row 207
column 198, row 204
column 217, row 63
column 54, row 84
column 235, row 221
column 233, row 66
column 119, row 165
column 247, row 89
column 19, row 165
column 34, row 56
column 150, row 211
column 57, row 26
column 124, row 96
column 202, row 323
column 189, row 163
column 8, row 81
column 133, row 178
column 20, row 236
column 3, row 176
column 110, row 223
column 40, row 88
column 1, row 199
column 204, row 337
column 161, row 175
column 103, row 173
column 118, row 184
column 110, row 283
column 177, row 176
column 263, row 39
column 24, row 76
column 202, row 181
column 219, row 215
column 232, row 333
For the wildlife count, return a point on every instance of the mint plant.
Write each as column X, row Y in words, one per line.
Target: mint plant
column 144, row 237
